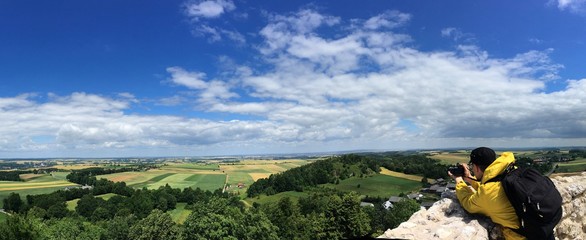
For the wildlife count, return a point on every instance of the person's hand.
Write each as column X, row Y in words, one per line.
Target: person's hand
column 467, row 173
column 456, row 178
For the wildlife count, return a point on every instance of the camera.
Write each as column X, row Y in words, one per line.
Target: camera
column 456, row 170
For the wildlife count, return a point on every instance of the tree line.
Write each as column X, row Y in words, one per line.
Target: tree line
column 15, row 175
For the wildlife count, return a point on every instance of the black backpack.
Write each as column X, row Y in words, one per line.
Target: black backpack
column 536, row 200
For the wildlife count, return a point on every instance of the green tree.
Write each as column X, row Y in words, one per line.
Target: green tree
column 101, row 213
column 86, row 206
column 118, row 227
column 69, row 228
column 37, row 212
column 157, row 225
column 401, row 212
column 210, row 226
column 258, row 226
column 20, row 227
column 58, row 210
column 13, row 203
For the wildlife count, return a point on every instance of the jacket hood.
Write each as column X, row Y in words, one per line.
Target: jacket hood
column 498, row 166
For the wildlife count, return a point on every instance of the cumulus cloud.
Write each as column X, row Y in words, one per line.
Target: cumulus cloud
column 201, row 14
column 389, row 19
column 367, row 82
column 365, row 88
column 576, row 6
column 457, row 35
column 208, row 9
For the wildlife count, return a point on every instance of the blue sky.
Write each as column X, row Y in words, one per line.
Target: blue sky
column 223, row 77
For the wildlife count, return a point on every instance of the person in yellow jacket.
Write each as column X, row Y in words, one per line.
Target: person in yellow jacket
column 487, row 198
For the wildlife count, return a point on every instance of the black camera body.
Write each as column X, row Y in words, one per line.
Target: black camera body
column 456, row 170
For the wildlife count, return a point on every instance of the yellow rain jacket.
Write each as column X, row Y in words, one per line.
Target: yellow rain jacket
column 490, row 198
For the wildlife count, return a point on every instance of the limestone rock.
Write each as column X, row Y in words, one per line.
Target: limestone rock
column 446, row 219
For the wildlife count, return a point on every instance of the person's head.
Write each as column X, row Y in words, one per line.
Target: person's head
column 481, row 158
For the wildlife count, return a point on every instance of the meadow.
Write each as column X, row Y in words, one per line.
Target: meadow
column 578, row 165
column 452, row 157
column 180, row 214
column 73, row 203
column 377, row 185
column 33, row 184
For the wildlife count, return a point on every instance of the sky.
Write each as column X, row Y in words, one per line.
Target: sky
column 110, row 78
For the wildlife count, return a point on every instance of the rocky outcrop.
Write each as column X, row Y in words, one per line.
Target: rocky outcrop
column 446, row 219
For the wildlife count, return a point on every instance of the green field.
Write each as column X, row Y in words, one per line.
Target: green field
column 377, row 185
column 180, row 214
column 60, row 175
column 178, row 179
column 33, row 184
column 263, row 199
column 578, row 165
column 451, row 157
column 73, row 203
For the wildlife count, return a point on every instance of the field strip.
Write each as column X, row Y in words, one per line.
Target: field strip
column 36, row 186
column 32, row 184
column 257, row 176
column 400, row 175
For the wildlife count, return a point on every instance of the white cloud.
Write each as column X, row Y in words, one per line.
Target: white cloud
column 208, row 9
column 457, row 35
column 209, row 91
column 193, row 80
column 365, row 88
column 576, row 6
column 357, row 84
column 202, row 13
column 389, row 19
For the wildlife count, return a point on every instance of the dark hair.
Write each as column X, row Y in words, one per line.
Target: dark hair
column 482, row 157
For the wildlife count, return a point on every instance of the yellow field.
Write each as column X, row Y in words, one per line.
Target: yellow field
column 76, row 166
column 257, row 176
column 400, row 175
column 15, row 186
column 451, row 157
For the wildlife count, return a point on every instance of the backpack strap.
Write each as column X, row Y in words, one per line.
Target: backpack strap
column 500, row 177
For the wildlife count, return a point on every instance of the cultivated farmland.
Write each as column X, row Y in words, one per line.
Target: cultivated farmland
column 33, row 184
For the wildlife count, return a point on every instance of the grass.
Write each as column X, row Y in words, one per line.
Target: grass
column 33, row 185
column 3, row 217
column 153, row 180
column 180, row 214
column 60, row 175
column 387, row 172
column 264, row 199
column 451, row 157
column 197, row 166
column 377, row 185
column 203, row 181
column 578, row 165
column 24, row 192
column 73, row 203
